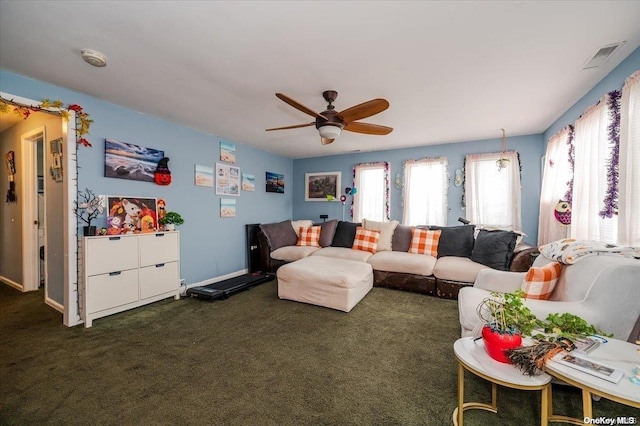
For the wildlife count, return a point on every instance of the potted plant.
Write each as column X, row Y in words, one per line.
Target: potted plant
column 88, row 207
column 171, row 220
column 506, row 320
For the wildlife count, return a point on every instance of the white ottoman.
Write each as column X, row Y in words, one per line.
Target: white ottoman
column 325, row 281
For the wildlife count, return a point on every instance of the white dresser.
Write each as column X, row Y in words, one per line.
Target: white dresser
column 122, row 272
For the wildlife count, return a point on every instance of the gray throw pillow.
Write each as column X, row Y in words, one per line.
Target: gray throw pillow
column 455, row 240
column 345, row 234
column 279, row 234
column 327, row 232
column 494, row 248
column 401, row 240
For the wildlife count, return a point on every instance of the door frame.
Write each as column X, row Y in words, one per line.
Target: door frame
column 70, row 307
column 29, row 205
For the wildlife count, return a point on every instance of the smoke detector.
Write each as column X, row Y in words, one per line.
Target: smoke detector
column 94, row 57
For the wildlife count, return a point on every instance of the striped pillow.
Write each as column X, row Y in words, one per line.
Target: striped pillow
column 366, row 240
column 424, row 241
column 309, row 236
column 540, row 282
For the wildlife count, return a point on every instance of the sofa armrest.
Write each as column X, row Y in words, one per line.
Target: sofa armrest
column 499, row 281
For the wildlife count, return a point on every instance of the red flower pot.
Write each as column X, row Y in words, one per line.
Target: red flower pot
column 496, row 343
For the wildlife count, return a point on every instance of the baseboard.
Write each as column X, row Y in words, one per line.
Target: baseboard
column 55, row 305
column 11, row 283
column 183, row 289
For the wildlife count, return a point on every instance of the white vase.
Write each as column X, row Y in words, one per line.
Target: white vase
column 170, row 227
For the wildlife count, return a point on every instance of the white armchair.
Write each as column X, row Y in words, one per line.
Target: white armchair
column 604, row 290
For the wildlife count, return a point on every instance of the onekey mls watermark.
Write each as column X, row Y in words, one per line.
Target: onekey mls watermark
column 620, row 420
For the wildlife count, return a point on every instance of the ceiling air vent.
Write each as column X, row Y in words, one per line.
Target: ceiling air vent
column 602, row 55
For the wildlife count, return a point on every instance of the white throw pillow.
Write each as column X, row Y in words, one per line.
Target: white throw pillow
column 297, row 224
column 386, row 232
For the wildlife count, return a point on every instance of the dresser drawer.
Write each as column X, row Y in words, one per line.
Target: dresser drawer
column 159, row 279
column 108, row 254
column 107, row 291
column 161, row 247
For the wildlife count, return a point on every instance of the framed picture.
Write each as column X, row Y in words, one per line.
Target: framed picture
column 203, row 175
column 227, row 207
column 56, row 159
column 248, row 182
column 131, row 215
column 227, row 152
column 318, row 185
column 127, row 161
column 274, row 182
column 227, row 179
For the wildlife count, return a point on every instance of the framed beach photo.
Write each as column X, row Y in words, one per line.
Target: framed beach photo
column 127, row 161
column 318, row 185
column 274, row 182
column 248, row 182
column 227, row 152
column 227, row 207
column 203, row 175
column 227, row 180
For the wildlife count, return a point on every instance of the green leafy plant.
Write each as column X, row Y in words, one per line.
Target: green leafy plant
column 506, row 313
column 171, row 218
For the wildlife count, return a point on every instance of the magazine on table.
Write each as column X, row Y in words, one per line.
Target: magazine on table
column 588, row 366
column 585, row 345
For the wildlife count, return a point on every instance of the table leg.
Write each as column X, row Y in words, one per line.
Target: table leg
column 586, row 404
column 460, row 394
column 544, row 409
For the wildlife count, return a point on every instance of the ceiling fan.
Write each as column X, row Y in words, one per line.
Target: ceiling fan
column 331, row 122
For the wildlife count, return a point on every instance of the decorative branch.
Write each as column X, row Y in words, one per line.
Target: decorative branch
column 611, row 198
column 83, row 122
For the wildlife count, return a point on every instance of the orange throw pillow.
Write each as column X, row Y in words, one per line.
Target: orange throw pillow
column 425, row 241
column 309, row 236
column 540, row 282
column 366, row 240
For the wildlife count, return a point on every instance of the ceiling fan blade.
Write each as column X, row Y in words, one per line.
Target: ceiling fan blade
column 367, row 128
column 326, row 141
column 364, row 110
column 298, row 105
column 291, row 127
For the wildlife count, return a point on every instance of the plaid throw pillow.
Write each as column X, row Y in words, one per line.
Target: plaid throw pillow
column 309, row 236
column 540, row 282
column 366, row 240
column 424, row 241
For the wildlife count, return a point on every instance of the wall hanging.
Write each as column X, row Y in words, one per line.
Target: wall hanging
column 227, row 180
column 274, row 182
column 11, row 171
column 127, row 161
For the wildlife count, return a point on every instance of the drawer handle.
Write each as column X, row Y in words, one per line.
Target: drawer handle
column 159, row 235
column 111, row 274
column 114, row 238
column 159, row 265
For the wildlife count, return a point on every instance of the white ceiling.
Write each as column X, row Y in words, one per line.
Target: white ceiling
column 452, row 71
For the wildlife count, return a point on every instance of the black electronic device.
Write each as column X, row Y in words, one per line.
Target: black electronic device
column 224, row 289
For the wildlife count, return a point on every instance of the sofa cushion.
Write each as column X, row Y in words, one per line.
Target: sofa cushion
column 520, row 234
column 401, row 239
column 539, row 283
column 457, row 269
column 408, row 263
column 297, row 224
column 494, row 248
column 386, row 232
column 328, row 230
column 309, row 236
column 424, row 241
column 292, row 253
column 345, row 234
column 344, row 253
column 366, row 240
column 279, row 234
column 455, row 240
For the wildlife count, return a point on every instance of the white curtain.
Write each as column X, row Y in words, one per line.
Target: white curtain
column 629, row 196
column 493, row 195
column 425, row 192
column 555, row 184
column 592, row 149
column 372, row 198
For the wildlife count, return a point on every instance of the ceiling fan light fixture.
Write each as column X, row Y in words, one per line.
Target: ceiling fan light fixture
column 329, row 131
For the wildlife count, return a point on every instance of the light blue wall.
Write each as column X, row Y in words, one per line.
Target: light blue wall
column 210, row 246
column 613, row 81
column 530, row 149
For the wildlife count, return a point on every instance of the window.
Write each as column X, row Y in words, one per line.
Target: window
column 556, row 186
column 372, row 198
column 425, row 192
column 492, row 193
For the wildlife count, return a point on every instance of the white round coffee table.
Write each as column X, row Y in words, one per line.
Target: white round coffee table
column 473, row 357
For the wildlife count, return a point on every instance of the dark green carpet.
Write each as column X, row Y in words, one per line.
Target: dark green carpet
column 250, row 360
